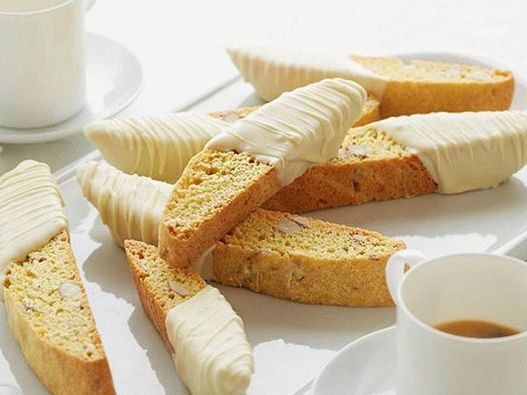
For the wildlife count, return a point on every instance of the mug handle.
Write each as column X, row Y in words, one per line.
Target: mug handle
column 89, row 4
column 396, row 267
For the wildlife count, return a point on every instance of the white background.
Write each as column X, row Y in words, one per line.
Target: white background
column 181, row 43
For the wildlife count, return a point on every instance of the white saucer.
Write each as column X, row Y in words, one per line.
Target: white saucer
column 365, row 367
column 114, row 79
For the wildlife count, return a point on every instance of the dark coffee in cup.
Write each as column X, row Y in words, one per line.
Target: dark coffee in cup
column 476, row 328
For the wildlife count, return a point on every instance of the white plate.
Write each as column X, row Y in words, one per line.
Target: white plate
column 435, row 224
column 114, row 78
column 364, row 367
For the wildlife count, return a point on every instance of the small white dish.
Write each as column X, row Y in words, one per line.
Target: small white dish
column 114, row 78
column 364, row 367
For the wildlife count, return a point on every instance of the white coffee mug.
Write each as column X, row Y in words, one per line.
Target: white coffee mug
column 42, row 61
column 458, row 287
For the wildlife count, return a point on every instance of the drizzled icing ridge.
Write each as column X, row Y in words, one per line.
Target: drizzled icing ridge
column 273, row 71
column 211, row 352
column 298, row 130
column 157, row 146
column 30, row 211
column 130, row 205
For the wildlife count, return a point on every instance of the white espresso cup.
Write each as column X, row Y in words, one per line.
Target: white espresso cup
column 42, row 61
column 481, row 287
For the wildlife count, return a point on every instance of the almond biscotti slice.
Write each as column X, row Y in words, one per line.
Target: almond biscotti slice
column 278, row 254
column 304, row 260
column 245, row 165
column 421, row 86
column 45, row 301
column 204, row 335
column 415, row 87
column 160, row 146
column 216, row 191
column 413, row 155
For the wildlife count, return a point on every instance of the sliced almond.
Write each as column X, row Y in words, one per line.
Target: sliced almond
column 358, row 150
column 359, row 238
column 342, row 154
column 143, row 265
column 353, row 150
column 287, row 226
column 175, row 222
column 178, row 288
column 28, row 304
column 68, row 289
column 303, row 221
column 288, row 273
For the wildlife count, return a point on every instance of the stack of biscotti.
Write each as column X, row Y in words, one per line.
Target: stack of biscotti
column 279, row 254
column 245, row 165
column 372, row 165
column 45, row 300
column 200, row 328
column 160, row 146
column 402, row 88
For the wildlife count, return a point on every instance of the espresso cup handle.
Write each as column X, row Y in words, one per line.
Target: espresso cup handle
column 89, row 4
column 396, row 267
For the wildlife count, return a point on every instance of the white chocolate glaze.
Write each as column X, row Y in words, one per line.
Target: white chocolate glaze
column 130, row 205
column 154, row 146
column 30, row 211
column 463, row 151
column 273, row 71
column 211, row 352
column 298, row 130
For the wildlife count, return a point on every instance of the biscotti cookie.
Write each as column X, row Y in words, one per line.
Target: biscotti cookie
column 160, row 146
column 45, row 301
column 200, row 328
column 304, row 260
column 416, row 87
column 278, row 254
column 243, row 166
column 412, row 155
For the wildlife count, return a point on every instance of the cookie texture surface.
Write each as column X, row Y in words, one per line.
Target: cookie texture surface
column 50, row 317
column 423, row 86
column 305, row 260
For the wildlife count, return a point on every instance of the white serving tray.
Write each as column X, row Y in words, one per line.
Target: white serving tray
column 434, row 224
